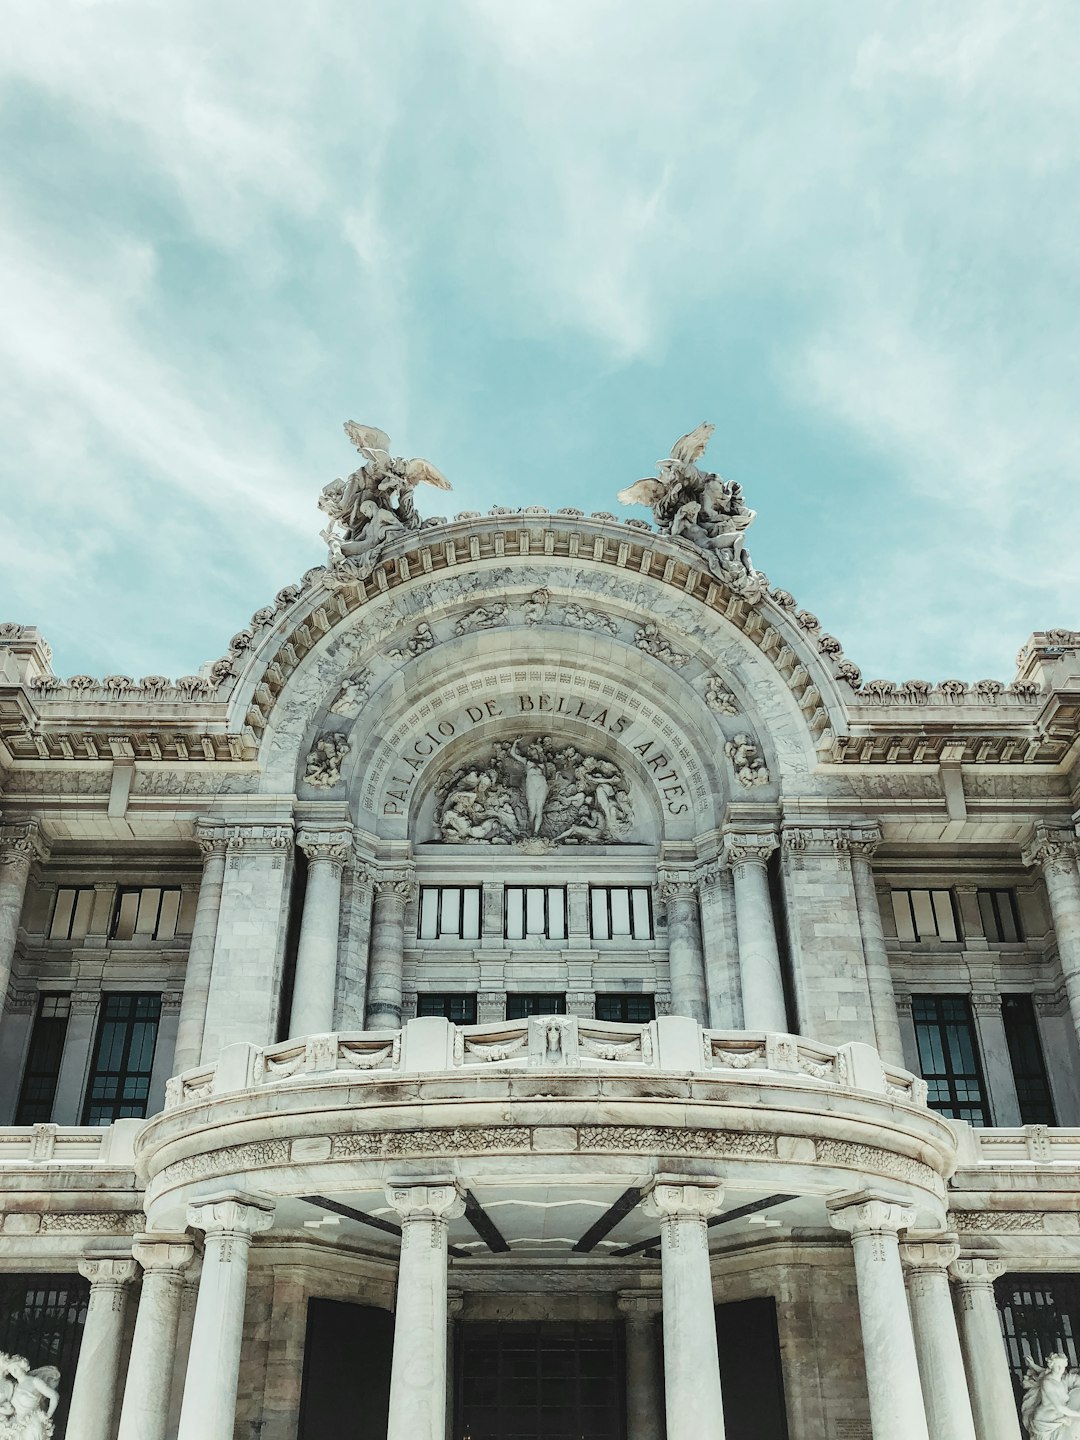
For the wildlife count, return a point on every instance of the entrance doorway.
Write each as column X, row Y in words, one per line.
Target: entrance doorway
column 539, row 1381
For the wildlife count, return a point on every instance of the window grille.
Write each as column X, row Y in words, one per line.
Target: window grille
column 461, row 1009
column 949, row 1057
column 149, row 913
column 43, row 1060
column 123, row 1059
column 925, row 915
column 521, row 1006
column 449, row 912
column 621, row 912
column 42, row 1317
column 1039, row 1314
column 535, row 912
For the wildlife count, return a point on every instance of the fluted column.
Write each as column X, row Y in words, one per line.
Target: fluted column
column 93, row 1395
column 989, row 1383
column 892, row 1374
column 210, row 836
column 643, row 1393
column 686, row 963
column 393, row 890
column 863, row 843
column 1057, row 851
column 228, row 1221
column 747, row 852
column 145, row 1411
column 937, row 1343
column 693, row 1400
column 315, row 984
column 418, row 1369
column 20, row 846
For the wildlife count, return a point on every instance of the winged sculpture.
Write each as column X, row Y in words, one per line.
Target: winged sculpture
column 1050, row 1409
column 375, row 503
column 700, row 509
column 28, row 1399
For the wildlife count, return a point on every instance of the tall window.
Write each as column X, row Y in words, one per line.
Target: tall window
column 520, row 1007
column 146, row 914
column 925, row 915
column 449, row 912
column 621, row 912
column 71, row 914
column 949, row 1057
column 535, row 912
column 999, row 914
column 1028, row 1065
column 629, row 1009
column 43, row 1060
column 461, row 1009
column 1039, row 1314
column 123, row 1057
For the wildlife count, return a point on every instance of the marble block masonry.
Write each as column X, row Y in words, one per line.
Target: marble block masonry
column 533, row 983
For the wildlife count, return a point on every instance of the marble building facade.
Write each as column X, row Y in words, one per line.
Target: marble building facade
column 533, row 985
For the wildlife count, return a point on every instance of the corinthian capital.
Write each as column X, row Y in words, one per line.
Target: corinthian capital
column 438, row 1200
column 210, row 836
column 400, row 882
column 977, row 1272
column 22, row 844
column 748, row 845
column 676, row 884
column 817, row 839
column 863, row 840
column 1051, row 845
column 330, row 842
column 674, row 1197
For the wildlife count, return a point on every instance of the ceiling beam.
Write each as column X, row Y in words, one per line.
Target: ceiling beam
column 726, row 1218
column 484, row 1226
column 321, row 1202
column 626, row 1202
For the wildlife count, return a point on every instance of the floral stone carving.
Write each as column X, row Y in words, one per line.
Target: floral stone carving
column 534, row 790
column 702, row 510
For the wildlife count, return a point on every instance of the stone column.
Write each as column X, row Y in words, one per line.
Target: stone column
column 93, row 1395
column 892, row 1375
column 145, row 1411
column 315, row 985
column 763, row 1003
column 189, row 1296
column 643, row 1395
column 165, row 1050
column 20, row 846
column 693, row 1401
column 75, row 1061
column 864, row 842
column 418, row 1369
column 720, row 945
column 228, row 1221
column 937, row 1344
column 989, row 1382
column 210, row 837
column 1057, row 851
column 455, row 1303
column 997, row 1062
column 686, row 963
column 393, row 890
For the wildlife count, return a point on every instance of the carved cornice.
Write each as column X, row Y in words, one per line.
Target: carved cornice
column 258, row 839
column 799, row 839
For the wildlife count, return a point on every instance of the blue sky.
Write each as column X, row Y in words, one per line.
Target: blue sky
column 535, row 241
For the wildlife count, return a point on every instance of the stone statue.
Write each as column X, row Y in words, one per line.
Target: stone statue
column 746, row 761
column 700, row 509
column 534, row 791
column 374, row 504
column 1048, row 1410
column 28, row 1399
column 323, row 768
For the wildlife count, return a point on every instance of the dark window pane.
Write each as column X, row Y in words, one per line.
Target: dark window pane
column 1028, row 1064
column 43, row 1061
column 461, row 1009
column 948, row 1057
column 520, row 1007
column 123, row 1058
column 627, row 1009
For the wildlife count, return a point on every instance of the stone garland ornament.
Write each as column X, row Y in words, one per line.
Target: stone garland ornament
column 701, row 510
column 28, row 1399
column 324, row 761
column 747, row 762
column 534, row 793
column 374, row 505
column 1050, row 1409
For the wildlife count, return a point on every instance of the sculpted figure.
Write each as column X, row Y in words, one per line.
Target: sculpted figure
column 536, row 782
column 324, row 761
column 702, row 510
column 1051, row 1404
column 746, row 761
column 28, row 1399
column 375, row 503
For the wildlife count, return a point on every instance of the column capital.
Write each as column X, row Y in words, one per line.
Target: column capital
column 210, row 837
column 231, row 1212
column 864, row 839
column 1052, row 845
column 21, row 844
column 869, row 1214
column 252, row 839
column 932, row 1252
column 748, row 845
column 428, row 1200
column 640, row 1305
column 161, row 1251
column 680, row 1197
column 676, row 883
column 398, row 882
column 326, row 842
column 108, row 1274
column 976, row 1272
column 803, row 839
column 455, row 1303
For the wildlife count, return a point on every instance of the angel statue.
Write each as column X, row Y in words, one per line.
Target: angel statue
column 698, row 508
column 374, row 504
column 1049, row 1410
column 28, row 1399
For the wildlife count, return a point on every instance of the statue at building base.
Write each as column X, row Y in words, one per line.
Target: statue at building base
column 28, row 1399
column 1051, row 1405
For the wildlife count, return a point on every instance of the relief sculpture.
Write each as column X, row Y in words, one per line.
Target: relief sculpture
column 534, row 792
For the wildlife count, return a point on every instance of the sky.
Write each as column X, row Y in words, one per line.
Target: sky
column 536, row 241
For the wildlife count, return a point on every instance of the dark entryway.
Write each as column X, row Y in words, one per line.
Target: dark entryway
column 347, row 1357
column 543, row 1381
column 750, row 1369
column 42, row 1317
